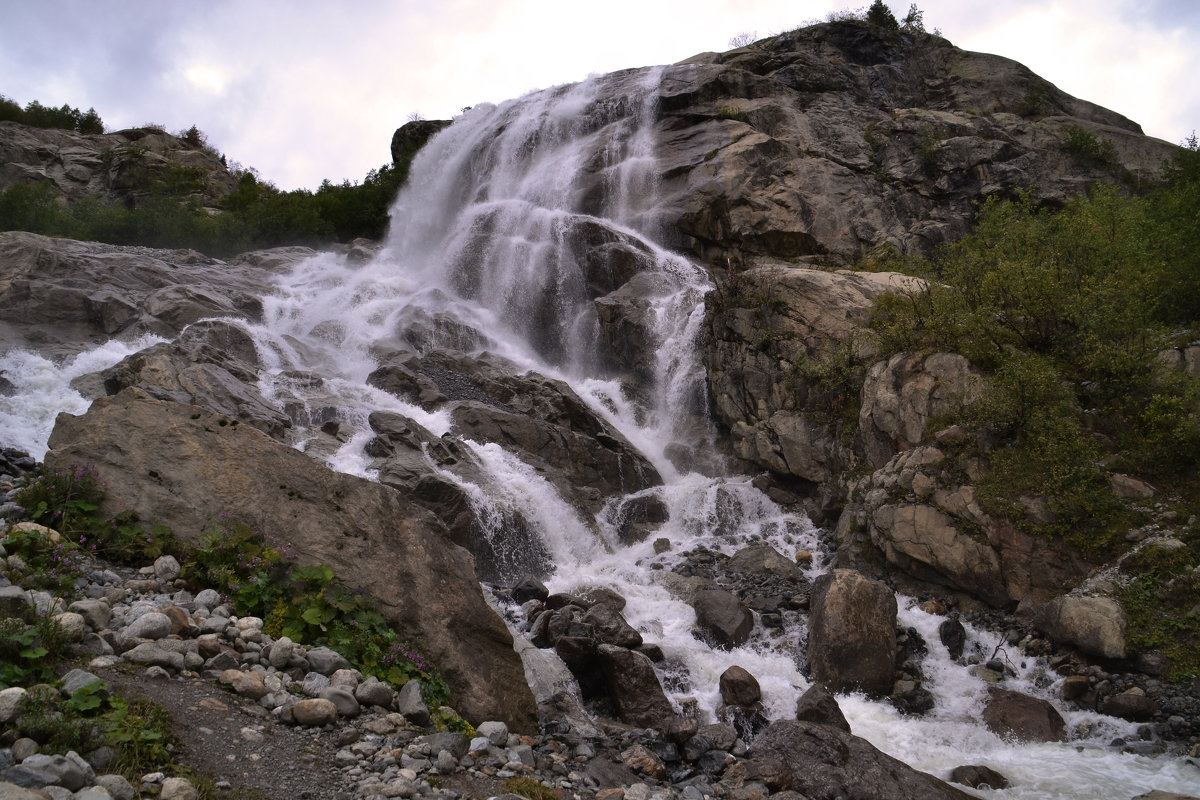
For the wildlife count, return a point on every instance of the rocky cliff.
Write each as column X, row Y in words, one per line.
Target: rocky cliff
column 840, row 139
column 115, row 167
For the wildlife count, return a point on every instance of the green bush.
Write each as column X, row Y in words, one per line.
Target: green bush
column 308, row 605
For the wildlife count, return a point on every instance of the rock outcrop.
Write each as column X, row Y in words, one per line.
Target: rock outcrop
column 60, row 295
column 842, row 138
column 184, row 466
column 767, row 326
column 930, row 529
column 116, row 167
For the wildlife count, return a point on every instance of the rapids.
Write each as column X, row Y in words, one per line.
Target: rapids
column 482, row 236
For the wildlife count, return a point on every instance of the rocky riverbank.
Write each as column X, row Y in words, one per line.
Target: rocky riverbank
column 255, row 713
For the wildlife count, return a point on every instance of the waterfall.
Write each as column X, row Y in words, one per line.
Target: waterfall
column 516, row 222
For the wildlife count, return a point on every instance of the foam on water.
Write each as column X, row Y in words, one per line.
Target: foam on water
column 42, row 389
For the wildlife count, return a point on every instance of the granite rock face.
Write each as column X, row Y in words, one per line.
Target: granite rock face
column 179, row 465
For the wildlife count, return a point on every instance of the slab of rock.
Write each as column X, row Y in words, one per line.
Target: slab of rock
column 823, row 761
column 1096, row 625
column 1132, row 704
column 722, row 618
column 353, row 525
column 634, row 688
column 852, row 633
column 1019, row 716
column 977, row 776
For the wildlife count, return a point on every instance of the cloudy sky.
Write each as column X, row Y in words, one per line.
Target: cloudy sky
column 309, row 89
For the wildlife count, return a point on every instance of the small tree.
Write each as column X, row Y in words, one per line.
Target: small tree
column 881, row 16
column 743, row 39
column 914, row 20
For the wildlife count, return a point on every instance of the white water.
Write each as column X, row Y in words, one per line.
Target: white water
column 481, row 255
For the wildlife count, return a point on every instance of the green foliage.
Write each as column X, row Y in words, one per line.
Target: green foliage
column 1087, row 148
column 139, row 731
column 30, row 645
column 1159, row 601
column 447, row 719
column 927, row 147
column 1066, row 311
column 308, row 605
column 1034, row 103
column 53, row 563
column 39, row 116
column 68, row 501
column 732, row 112
column 881, row 16
column 530, row 788
column 914, row 20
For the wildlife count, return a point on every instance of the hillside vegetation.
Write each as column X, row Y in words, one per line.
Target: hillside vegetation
column 164, row 204
column 1073, row 314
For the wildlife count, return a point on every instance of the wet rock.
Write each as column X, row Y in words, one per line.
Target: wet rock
column 1023, row 717
column 739, row 688
column 852, row 633
column 722, row 618
column 978, row 777
column 818, row 757
column 611, row 627
column 819, row 706
column 634, row 688
column 953, row 636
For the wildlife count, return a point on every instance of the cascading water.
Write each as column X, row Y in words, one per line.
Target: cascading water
column 516, row 219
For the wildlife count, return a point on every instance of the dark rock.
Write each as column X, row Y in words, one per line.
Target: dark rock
column 722, row 618
column 611, row 627
column 634, row 688
column 978, row 777
column 852, row 633
column 739, row 687
column 954, row 636
column 819, row 706
column 825, row 762
column 530, row 588
column 1023, row 717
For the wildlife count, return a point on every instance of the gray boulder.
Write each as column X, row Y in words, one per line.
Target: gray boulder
column 821, row 760
column 852, row 633
column 429, row 589
column 722, row 618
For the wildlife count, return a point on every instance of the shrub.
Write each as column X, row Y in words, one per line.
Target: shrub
column 1087, row 148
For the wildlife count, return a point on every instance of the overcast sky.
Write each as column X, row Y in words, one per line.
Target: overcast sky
column 309, row 89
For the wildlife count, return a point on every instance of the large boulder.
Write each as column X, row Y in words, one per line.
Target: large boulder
column 821, row 761
column 1096, row 625
column 723, row 620
column 852, row 633
column 1019, row 716
column 179, row 466
column 901, row 395
column 634, row 688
